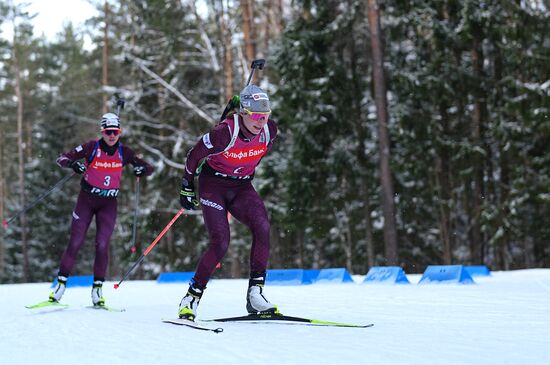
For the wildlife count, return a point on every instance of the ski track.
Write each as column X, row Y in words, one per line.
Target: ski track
column 503, row 319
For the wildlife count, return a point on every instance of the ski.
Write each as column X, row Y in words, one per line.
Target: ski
column 107, row 308
column 191, row 324
column 46, row 304
column 283, row 319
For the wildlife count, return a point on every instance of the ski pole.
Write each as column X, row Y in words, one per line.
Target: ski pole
column 150, row 246
column 259, row 63
column 136, row 211
column 119, row 105
column 60, row 183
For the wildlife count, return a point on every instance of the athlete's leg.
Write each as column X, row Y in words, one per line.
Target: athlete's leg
column 105, row 223
column 82, row 216
column 248, row 208
column 212, row 199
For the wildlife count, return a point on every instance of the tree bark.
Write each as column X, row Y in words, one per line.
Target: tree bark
column 227, row 56
column 21, row 155
column 2, row 248
column 502, row 249
column 390, row 231
column 442, row 174
column 361, row 133
column 105, row 58
column 504, row 257
column 249, row 33
column 476, row 244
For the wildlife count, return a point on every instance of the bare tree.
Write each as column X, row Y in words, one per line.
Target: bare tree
column 390, row 231
column 249, row 31
column 476, row 239
column 21, row 151
column 227, row 55
column 105, row 58
column 503, row 255
column 2, row 249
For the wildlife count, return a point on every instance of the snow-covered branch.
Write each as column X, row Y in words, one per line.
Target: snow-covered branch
column 161, row 155
column 161, row 81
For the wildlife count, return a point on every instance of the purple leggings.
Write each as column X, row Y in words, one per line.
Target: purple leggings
column 218, row 196
column 105, row 210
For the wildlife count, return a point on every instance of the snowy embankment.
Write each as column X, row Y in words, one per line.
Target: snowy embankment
column 503, row 319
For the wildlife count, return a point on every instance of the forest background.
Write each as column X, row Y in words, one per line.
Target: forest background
column 411, row 132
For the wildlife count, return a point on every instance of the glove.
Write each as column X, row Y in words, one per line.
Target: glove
column 188, row 198
column 78, row 167
column 139, row 170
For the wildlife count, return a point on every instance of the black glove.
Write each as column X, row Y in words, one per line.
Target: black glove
column 78, row 167
column 188, row 198
column 139, row 170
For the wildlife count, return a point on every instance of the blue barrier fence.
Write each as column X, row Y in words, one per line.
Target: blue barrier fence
column 478, row 270
column 301, row 276
column 175, row 277
column 74, row 281
column 386, row 275
column 338, row 275
column 447, row 274
column 285, row 277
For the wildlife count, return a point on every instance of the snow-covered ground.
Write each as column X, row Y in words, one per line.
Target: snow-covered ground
column 503, row 319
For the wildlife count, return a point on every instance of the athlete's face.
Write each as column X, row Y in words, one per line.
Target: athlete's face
column 111, row 136
column 255, row 122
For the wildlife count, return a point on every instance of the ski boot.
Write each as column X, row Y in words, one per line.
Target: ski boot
column 97, row 294
column 190, row 303
column 57, row 293
column 255, row 300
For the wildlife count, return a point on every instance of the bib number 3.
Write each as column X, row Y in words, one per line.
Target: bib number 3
column 107, row 181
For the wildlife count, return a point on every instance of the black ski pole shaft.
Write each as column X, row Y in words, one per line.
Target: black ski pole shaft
column 150, row 247
column 119, row 106
column 60, row 183
column 259, row 63
column 136, row 212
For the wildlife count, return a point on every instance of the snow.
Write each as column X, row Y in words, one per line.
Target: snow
column 503, row 319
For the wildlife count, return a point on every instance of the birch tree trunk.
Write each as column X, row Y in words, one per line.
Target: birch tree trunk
column 390, row 232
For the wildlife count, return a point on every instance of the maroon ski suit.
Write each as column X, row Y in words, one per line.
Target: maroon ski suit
column 225, row 185
column 96, row 199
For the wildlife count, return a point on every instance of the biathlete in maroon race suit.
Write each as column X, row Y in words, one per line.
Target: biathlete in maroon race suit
column 229, row 154
column 102, row 170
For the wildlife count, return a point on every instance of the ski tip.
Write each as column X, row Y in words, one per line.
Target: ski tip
column 4, row 223
column 116, row 286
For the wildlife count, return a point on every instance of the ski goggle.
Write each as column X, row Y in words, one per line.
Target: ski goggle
column 111, row 132
column 256, row 116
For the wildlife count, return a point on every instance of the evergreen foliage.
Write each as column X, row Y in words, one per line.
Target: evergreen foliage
column 469, row 99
